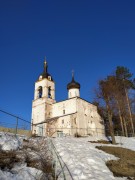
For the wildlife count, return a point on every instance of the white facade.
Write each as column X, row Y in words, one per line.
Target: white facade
column 72, row 116
column 73, row 93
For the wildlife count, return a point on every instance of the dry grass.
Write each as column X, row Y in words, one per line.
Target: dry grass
column 42, row 160
column 34, row 153
column 101, row 141
column 125, row 166
column 27, row 133
column 8, row 159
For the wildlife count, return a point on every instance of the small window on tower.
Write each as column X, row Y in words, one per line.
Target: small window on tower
column 49, row 92
column 40, row 91
column 75, row 120
column 64, row 111
column 62, row 121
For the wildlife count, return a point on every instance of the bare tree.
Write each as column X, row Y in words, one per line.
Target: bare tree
column 104, row 94
column 114, row 92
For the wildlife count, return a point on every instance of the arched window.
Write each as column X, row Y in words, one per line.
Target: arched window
column 49, row 92
column 40, row 92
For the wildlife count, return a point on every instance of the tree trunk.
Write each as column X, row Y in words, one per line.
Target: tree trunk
column 111, row 125
column 129, row 109
column 121, row 122
column 120, row 116
column 125, row 127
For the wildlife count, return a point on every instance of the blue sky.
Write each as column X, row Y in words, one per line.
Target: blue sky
column 91, row 37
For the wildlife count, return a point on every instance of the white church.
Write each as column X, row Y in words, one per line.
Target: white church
column 73, row 116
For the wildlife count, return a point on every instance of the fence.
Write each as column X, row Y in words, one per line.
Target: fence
column 14, row 124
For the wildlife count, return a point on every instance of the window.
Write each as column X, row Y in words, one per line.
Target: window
column 49, row 92
column 40, row 91
column 62, row 121
column 64, row 111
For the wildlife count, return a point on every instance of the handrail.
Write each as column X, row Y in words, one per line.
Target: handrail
column 60, row 160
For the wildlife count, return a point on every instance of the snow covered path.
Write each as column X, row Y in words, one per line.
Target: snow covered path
column 83, row 159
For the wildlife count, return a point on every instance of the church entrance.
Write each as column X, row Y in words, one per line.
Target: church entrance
column 40, row 130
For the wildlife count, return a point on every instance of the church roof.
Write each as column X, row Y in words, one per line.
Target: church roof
column 73, row 84
column 45, row 73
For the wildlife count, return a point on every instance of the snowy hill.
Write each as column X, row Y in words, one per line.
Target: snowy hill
column 83, row 160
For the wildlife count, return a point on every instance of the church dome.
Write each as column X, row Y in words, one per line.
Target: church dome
column 45, row 73
column 73, row 84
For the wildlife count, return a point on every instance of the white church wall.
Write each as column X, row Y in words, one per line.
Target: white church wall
column 73, row 93
column 64, row 124
column 38, row 115
column 38, row 110
column 88, row 118
column 64, row 107
column 67, row 124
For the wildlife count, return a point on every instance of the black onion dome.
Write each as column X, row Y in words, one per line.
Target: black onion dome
column 73, row 84
column 45, row 73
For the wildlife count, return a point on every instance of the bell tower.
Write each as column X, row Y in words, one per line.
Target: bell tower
column 44, row 97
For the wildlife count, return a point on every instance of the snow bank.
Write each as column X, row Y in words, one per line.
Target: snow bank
column 125, row 142
column 21, row 172
column 9, row 141
column 84, row 160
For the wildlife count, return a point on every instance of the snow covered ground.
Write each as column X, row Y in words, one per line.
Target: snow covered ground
column 20, row 170
column 9, row 141
column 84, row 160
column 81, row 157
